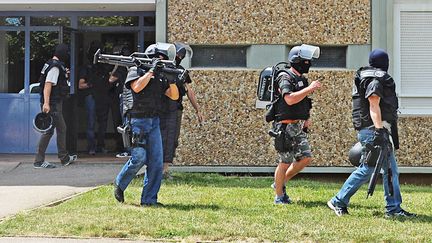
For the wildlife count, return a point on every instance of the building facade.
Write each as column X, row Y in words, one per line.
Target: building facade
column 232, row 42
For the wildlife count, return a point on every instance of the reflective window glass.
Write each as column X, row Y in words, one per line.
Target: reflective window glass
column 109, row 21
column 12, row 21
column 50, row 21
column 219, row 56
column 11, row 61
column 42, row 45
column 149, row 21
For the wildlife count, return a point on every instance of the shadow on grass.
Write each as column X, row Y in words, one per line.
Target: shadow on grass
column 181, row 206
column 323, row 204
column 221, row 181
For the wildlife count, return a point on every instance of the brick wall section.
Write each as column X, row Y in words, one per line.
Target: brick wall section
column 235, row 132
column 260, row 21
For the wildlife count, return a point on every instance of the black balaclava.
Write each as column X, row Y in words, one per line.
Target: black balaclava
column 62, row 52
column 302, row 66
column 378, row 58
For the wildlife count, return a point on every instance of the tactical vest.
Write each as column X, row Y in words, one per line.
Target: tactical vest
column 388, row 104
column 61, row 89
column 148, row 102
column 299, row 111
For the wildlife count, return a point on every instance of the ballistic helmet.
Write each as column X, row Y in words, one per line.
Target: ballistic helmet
column 303, row 52
column 43, row 122
column 183, row 49
column 355, row 154
column 166, row 50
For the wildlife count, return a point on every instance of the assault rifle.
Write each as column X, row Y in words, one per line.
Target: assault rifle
column 137, row 59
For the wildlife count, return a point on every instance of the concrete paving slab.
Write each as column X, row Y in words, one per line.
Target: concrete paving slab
column 25, row 187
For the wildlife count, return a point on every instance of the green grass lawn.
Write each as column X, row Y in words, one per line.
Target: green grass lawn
column 214, row 207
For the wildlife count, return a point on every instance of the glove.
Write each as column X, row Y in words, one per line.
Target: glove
column 381, row 137
column 140, row 72
column 156, row 64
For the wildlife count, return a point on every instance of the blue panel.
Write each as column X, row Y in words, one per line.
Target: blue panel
column 13, row 138
column 33, row 135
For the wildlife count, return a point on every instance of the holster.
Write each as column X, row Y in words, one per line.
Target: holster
column 282, row 140
column 125, row 132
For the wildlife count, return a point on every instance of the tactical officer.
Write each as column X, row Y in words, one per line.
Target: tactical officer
column 148, row 89
column 292, row 118
column 374, row 115
column 172, row 116
column 54, row 89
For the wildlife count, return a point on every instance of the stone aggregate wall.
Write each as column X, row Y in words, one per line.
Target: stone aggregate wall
column 235, row 132
column 269, row 22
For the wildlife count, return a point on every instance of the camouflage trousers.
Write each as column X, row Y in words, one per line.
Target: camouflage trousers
column 300, row 145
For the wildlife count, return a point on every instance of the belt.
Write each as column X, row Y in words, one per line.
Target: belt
column 288, row 121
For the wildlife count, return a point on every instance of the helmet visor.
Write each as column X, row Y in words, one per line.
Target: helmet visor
column 182, row 46
column 169, row 48
column 308, row 51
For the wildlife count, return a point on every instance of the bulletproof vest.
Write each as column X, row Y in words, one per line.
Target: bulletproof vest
column 61, row 89
column 388, row 103
column 301, row 110
column 148, row 102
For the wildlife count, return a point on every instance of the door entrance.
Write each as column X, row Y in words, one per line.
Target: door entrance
column 106, row 97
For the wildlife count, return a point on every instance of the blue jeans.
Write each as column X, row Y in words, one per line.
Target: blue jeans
column 362, row 175
column 91, row 119
column 150, row 155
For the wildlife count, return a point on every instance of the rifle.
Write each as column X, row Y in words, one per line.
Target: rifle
column 137, row 59
column 382, row 158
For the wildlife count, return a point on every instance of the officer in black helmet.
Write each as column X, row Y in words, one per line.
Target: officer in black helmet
column 375, row 116
column 54, row 89
column 148, row 87
column 171, row 117
column 292, row 118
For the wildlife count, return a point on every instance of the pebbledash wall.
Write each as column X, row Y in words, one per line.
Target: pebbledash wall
column 235, row 132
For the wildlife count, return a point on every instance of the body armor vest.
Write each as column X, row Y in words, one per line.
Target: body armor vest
column 388, row 103
column 301, row 110
column 61, row 89
column 148, row 102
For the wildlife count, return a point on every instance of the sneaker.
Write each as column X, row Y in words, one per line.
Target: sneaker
column 44, row 164
column 283, row 188
column 123, row 155
column 282, row 200
column 69, row 160
column 118, row 193
column 339, row 211
column 402, row 213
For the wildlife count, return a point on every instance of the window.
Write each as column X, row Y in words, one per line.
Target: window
column 109, row 21
column 12, row 21
column 413, row 55
column 219, row 56
column 331, row 57
column 11, row 61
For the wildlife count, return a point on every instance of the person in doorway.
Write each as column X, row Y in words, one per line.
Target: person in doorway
column 147, row 87
column 292, row 117
column 54, row 89
column 375, row 107
column 171, row 118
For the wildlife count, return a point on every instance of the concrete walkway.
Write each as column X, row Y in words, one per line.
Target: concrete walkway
column 23, row 187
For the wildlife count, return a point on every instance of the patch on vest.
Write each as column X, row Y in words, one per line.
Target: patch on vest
column 379, row 74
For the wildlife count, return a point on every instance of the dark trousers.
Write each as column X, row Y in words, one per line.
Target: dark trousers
column 60, row 127
column 102, row 111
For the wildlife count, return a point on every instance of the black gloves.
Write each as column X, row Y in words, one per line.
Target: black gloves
column 140, row 72
column 156, row 64
column 381, row 137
